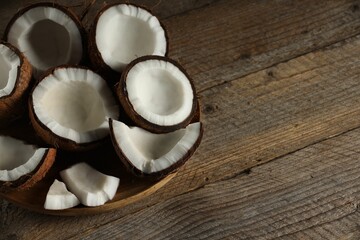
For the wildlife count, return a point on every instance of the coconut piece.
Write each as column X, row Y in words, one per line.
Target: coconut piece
column 70, row 107
column 157, row 94
column 122, row 33
column 48, row 34
column 15, row 76
column 92, row 187
column 148, row 154
column 58, row 197
column 21, row 164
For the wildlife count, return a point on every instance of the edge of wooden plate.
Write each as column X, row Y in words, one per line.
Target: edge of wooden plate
column 83, row 210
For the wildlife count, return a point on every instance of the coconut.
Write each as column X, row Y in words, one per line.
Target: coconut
column 154, row 155
column 59, row 198
column 15, row 79
column 48, row 34
column 70, row 107
column 157, row 94
column 22, row 165
column 122, row 33
column 92, row 187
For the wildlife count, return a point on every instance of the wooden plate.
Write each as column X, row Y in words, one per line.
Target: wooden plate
column 104, row 159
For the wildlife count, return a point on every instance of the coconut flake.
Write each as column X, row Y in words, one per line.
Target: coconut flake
column 9, row 64
column 92, row 187
column 58, row 197
column 150, row 152
column 159, row 92
column 75, row 104
column 48, row 37
column 125, row 32
column 18, row 158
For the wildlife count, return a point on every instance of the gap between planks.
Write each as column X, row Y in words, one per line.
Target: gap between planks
column 247, row 171
column 321, row 48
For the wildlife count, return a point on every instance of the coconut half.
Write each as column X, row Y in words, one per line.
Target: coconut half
column 148, row 154
column 48, row 34
column 59, row 198
column 122, row 33
column 15, row 76
column 157, row 94
column 70, row 107
column 21, row 164
column 92, row 187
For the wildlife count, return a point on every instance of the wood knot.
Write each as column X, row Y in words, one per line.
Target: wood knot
column 304, row 31
column 11, row 237
column 208, row 109
column 270, row 73
column 355, row 8
column 247, row 171
column 245, row 56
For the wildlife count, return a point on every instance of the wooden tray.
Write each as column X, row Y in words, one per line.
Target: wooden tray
column 104, row 159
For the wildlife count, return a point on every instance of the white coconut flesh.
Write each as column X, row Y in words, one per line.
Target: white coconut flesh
column 9, row 64
column 151, row 153
column 159, row 92
column 125, row 32
column 48, row 37
column 58, row 197
column 75, row 104
column 18, row 158
column 92, row 187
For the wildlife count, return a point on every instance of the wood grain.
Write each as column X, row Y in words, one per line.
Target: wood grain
column 245, row 39
column 267, row 114
column 232, row 38
column 313, row 193
column 251, row 117
column 275, row 111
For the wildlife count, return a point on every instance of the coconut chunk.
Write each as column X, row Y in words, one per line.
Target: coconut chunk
column 73, row 104
column 157, row 94
column 48, row 34
column 154, row 154
column 58, row 197
column 92, row 187
column 125, row 32
column 9, row 64
column 21, row 164
column 15, row 78
column 17, row 158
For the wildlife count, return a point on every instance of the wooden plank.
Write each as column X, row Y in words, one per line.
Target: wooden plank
column 311, row 194
column 245, row 39
column 230, row 39
column 276, row 111
column 250, row 121
column 266, row 115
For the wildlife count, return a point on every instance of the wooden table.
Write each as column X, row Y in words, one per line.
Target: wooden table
column 279, row 85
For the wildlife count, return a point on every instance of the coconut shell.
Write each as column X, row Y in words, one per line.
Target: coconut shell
column 122, row 94
column 13, row 106
column 156, row 175
column 30, row 179
column 57, row 141
column 51, row 138
column 68, row 11
column 95, row 57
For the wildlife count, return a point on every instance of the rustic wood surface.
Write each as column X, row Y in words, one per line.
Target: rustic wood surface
column 279, row 84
